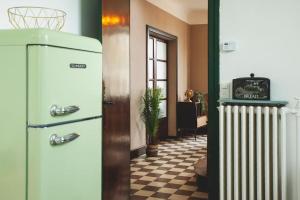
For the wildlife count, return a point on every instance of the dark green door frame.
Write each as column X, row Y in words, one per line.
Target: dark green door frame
column 213, row 95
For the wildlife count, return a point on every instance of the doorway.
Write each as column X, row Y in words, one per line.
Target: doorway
column 172, row 173
column 213, row 149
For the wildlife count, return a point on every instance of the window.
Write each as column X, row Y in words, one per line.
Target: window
column 157, row 72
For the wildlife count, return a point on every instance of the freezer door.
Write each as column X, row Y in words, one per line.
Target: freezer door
column 68, row 169
column 63, row 85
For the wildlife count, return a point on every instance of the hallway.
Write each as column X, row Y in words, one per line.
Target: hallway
column 171, row 174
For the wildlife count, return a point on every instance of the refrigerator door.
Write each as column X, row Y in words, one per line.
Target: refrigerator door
column 68, row 169
column 63, row 85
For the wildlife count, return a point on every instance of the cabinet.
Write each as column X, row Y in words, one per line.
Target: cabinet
column 189, row 117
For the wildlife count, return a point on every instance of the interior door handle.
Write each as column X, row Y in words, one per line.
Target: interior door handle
column 56, row 110
column 58, row 140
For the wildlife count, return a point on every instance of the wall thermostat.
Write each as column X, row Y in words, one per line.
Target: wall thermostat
column 229, row 46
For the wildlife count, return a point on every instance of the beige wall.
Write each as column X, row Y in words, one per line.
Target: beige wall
column 199, row 58
column 192, row 60
column 142, row 14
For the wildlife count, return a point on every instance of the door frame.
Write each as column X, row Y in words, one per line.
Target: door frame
column 213, row 96
column 150, row 30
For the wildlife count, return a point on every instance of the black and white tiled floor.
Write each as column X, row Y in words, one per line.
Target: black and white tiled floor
column 171, row 174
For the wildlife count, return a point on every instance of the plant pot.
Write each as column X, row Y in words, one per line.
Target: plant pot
column 152, row 150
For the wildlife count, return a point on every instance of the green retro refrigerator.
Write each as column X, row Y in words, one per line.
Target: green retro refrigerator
column 50, row 116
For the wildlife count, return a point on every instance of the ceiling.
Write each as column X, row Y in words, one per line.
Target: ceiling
column 189, row 11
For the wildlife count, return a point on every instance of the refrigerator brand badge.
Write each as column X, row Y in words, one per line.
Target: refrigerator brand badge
column 77, row 66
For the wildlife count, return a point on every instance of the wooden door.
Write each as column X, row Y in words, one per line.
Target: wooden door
column 116, row 108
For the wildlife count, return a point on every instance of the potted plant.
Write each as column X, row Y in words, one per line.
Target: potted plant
column 150, row 115
column 199, row 97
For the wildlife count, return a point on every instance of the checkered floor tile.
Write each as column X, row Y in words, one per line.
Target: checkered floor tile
column 171, row 174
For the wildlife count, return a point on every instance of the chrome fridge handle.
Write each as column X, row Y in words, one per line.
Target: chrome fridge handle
column 56, row 110
column 57, row 140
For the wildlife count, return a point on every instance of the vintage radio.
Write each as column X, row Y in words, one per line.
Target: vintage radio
column 251, row 88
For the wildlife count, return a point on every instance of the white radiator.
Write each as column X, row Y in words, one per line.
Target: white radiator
column 252, row 145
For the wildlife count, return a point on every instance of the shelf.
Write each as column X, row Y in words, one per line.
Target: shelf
column 235, row 102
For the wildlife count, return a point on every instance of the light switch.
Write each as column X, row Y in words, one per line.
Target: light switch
column 225, row 90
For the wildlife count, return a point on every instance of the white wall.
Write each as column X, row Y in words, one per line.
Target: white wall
column 267, row 33
column 82, row 15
